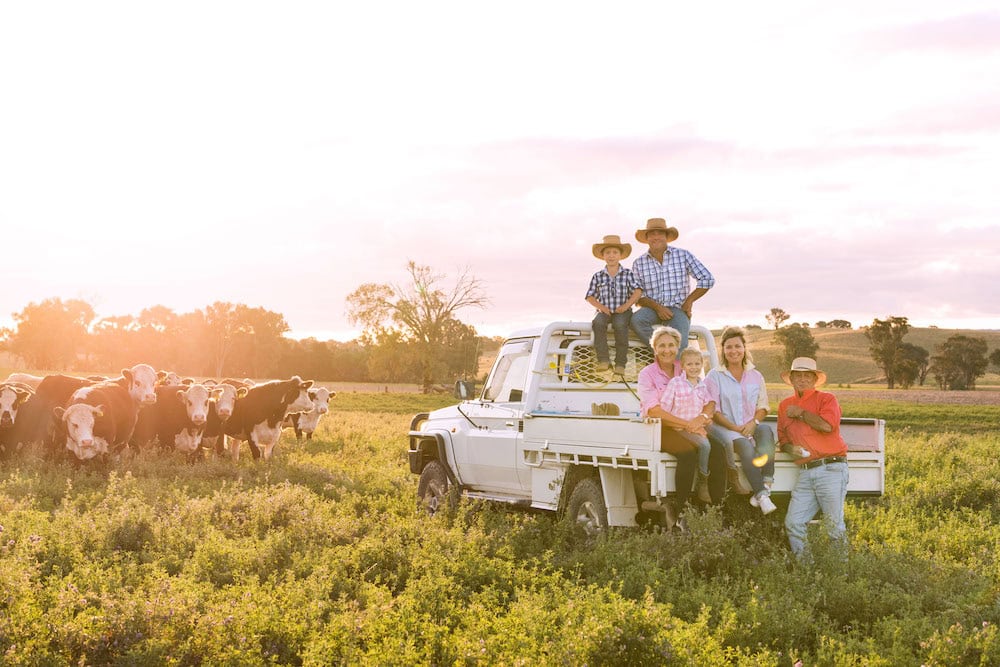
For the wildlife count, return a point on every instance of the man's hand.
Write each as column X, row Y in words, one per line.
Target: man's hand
column 794, row 412
column 664, row 313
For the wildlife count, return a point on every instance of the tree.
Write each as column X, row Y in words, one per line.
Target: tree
column 959, row 361
column 884, row 338
column 776, row 317
column 421, row 310
column 995, row 358
column 49, row 334
column 839, row 324
column 798, row 342
column 912, row 362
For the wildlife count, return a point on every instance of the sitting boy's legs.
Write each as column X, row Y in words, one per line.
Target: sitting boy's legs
column 600, row 327
column 620, row 322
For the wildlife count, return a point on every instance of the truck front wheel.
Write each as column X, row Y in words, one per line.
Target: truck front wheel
column 432, row 490
column 586, row 506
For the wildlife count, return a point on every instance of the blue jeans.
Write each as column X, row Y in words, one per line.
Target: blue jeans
column 821, row 488
column 644, row 319
column 704, row 449
column 762, row 443
column 619, row 321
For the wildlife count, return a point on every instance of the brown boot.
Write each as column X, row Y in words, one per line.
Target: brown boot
column 701, row 489
column 736, row 483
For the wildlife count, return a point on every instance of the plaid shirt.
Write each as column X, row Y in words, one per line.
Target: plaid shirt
column 682, row 400
column 668, row 283
column 612, row 292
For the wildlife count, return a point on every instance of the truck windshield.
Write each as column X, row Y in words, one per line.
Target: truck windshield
column 510, row 373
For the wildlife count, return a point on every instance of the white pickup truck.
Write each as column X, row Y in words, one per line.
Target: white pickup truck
column 551, row 433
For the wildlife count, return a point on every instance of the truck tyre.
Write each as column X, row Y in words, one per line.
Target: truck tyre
column 433, row 490
column 586, row 506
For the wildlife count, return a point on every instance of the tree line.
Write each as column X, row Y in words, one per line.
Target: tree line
column 410, row 334
column 957, row 363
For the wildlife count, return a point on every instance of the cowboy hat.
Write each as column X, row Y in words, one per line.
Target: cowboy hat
column 657, row 224
column 612, row 241
column 804, row 364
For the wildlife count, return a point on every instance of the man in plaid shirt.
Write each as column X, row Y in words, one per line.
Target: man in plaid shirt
column 613, row 291
column 664, row 274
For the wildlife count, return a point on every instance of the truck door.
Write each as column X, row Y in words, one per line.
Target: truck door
column 491, row 457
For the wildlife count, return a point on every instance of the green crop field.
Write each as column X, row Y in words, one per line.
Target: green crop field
column 322, row 557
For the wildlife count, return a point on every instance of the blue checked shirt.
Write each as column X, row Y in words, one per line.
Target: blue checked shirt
column 670, row 283
column 612, row 292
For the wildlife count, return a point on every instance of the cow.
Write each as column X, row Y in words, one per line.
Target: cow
column 35, row 421
column 257, row 417
column 24, row 378
column 119, row 401
column 12, row 396
column 219, row 412
column 177, row 419
column 98, row 420
column 307, row 421
column 171, row 379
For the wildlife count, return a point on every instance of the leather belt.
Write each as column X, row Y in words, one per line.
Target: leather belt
column 822, row 462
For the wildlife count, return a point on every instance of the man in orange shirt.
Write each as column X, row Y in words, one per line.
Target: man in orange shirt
column 809, row 429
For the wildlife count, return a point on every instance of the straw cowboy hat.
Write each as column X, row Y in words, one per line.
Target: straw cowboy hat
column 612, row 241
column 804, row 364
column 657, row 224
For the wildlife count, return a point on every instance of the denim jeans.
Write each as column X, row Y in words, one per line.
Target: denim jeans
column 821, row 488
column 619, row 322
column 704, row 449
column 686, row 454
column 644, row 319
column 748, row 449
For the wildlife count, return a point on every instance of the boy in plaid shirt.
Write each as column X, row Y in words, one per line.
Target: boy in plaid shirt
column 613, row 291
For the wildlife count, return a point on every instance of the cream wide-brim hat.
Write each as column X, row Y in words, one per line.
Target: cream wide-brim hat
column 612, row 241
column 804, row 364
column 657, row 224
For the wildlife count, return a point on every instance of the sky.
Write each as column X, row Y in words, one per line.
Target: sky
column 830, row 159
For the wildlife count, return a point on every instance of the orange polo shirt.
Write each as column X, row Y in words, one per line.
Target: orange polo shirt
column 819, row 445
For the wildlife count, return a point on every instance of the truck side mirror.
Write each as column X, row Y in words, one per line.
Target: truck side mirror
column 465, row 390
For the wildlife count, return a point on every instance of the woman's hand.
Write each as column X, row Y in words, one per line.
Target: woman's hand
column 747, row 429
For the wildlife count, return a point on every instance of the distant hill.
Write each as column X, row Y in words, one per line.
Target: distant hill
column 843, row 353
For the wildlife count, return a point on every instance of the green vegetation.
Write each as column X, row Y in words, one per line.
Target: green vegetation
column 322, row 558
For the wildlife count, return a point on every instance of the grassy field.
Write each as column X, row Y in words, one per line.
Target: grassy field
column 321, row 557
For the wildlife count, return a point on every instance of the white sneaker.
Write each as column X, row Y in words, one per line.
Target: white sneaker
column 766, row 505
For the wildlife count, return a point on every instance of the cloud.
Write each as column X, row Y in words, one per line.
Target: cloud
column 968, row 33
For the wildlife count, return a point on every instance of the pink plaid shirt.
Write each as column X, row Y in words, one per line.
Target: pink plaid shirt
column 682, row 400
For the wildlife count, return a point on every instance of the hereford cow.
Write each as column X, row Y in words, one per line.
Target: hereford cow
column 306, row 422
column 219, row 413
column 35, row 421
column 177, row 419
column 99, row 420
column 12, row 397
column 258, row 416
column 111, row 426
column 24, row 378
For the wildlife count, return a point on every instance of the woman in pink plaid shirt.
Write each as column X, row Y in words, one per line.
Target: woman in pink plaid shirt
column 687, row 398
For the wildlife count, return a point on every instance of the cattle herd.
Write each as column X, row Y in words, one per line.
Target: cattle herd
column 97, row 417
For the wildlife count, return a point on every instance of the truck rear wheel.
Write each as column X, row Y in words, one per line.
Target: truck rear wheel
column 586, row 506
column 432, row 490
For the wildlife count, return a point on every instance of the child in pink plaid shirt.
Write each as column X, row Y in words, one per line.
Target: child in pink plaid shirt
column 686, row 397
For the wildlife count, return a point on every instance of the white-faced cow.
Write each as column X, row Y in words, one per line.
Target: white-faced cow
column 258, row 416
column 307, row 421
column 177, row 419
column 35, row 420
column 219, row 413
column 24, row 378
column 12, row 397
column 99, row 420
